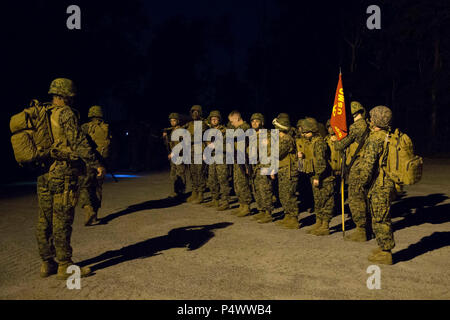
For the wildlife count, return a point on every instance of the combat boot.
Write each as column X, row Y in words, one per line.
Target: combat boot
column 237, row 210
column 199, row 198
column 193, row 196
column 89, row 215
column 283, row 221
column 375, row 252
column 315, row 226
column 224, row 206
column 62, row 270
column 48, row 267
column 266, row 217
column 383, row 257
column 258, row 215
column 245, row 211
column 213, row 203
column 291, row 223
column 358, row 235
column 323, row 230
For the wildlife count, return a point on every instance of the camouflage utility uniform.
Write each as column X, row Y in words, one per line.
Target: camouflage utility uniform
column 92, row 185
column 58, row 185
column 177, row 171
column 317, row 166
column 218, row 174
column 241, row 180
column 381, row 188
column 357, row 194
column 196, row 171
column 287, row 173
column 261, row 183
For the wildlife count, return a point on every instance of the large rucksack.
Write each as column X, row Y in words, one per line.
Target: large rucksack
column 98, row 131
column 31, row 133
column 399, row 161
column 335, row 160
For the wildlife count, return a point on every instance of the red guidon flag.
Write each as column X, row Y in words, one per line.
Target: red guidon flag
column 338, row 120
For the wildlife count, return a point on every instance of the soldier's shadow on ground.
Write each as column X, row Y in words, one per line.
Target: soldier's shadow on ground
column 191, row 237
column 433, row 242
column 147, row 205
column 419, row 210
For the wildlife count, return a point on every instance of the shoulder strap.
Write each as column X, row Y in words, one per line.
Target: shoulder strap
column 360, row 145
column 55, row 127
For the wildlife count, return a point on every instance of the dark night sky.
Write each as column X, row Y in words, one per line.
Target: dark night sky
column 144, row 59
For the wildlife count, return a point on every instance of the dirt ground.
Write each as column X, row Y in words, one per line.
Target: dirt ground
column 152, row 248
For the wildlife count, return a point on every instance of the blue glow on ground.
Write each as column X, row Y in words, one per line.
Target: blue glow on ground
column 125, row 176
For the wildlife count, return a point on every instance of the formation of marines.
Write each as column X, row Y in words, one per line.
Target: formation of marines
column 310, row 152
column 75, row 169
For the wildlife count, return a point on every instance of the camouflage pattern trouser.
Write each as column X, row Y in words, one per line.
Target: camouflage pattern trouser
column 197, row 174
column 262, row 191
column 379, row 205
column 218, row 182
column 324, row 199
column 57, row 198
column 91, row 190
column 241, row 185
column 287, row 186
column 357, row 197
column 178, row 177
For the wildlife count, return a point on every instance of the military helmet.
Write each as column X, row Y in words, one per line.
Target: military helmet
column 215, row 113
column 283, row 116
column 196, row 107
column 175, row 116
column 62, row 87
column 310, row 125
column 356, row 107
column 282, row 123
column 381, row 116
column 95, row 111
column 257, row 116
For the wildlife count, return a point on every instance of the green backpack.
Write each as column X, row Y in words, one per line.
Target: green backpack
column 399, row 161
column 99, row 133
column 31, row 138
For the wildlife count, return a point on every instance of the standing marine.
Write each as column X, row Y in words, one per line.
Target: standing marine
column 241, row 179
column 177, row 171
column 261, row 183
column 58, row 184
column 353, row 143
column 218, row 180
column 287, row 173
column 98, row 134
column 196, row 170
column 380, row 186
column 317, row 167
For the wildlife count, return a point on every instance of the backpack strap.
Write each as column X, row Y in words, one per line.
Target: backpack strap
column 358, row 149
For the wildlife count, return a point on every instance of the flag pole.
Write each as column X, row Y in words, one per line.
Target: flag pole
column 342, row 203
column 342, row 185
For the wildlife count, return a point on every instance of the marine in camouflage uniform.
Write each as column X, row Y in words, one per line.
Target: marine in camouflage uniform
column 287, row 173
column 177, row 171
column 335, row 155
column 197, row 172
column 91, row 184
column 58, row 185
column 218, row 176
column 304, row 185
column 335, row 160
column 316, row 162
column 261, row 183
column 241, row 179
column 357, row 194
column 381, row 188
